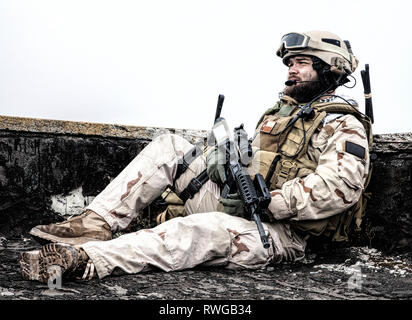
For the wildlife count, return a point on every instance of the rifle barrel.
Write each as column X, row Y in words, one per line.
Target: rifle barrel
column 263, row 236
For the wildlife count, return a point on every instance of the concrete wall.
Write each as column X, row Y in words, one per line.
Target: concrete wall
column 51, row 169
column 388, row 222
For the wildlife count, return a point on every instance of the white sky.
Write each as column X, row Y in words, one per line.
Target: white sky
column 164, row 62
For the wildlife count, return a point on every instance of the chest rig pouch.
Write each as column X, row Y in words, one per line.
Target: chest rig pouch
column 282, row 148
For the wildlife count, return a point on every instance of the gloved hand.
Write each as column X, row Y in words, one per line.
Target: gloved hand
column 215, row 168
column 233, row 205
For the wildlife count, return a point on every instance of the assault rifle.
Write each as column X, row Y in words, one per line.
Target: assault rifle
column 254, row 194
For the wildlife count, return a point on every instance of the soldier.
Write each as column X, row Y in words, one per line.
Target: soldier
column 316, row 170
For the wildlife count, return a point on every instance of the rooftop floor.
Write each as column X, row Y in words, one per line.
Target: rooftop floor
column 349, row 273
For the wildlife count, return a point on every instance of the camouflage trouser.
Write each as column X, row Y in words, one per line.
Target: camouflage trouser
column 203, row 237
column 147, row 176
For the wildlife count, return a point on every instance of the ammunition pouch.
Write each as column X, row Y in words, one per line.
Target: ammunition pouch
column 174, row 207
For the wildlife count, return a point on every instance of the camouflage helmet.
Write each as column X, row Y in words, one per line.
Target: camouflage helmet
column 322, row 44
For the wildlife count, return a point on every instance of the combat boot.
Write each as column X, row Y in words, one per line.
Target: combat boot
column 88, row 226
column 55, row 260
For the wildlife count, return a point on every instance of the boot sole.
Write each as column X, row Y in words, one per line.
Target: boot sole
column 48, row 263
column 71, row 241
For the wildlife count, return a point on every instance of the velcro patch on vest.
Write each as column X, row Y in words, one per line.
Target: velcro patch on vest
column 268, row 126
column 355, row 149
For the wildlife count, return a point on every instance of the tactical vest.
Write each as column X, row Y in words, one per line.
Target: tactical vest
column 282, row 155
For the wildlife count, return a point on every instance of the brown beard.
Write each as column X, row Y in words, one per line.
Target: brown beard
column 304, row 92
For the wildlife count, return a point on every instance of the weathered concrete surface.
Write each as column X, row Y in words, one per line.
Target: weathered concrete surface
column 388, row 223
column 43, row 163
column 51, row 169
column 60, row 127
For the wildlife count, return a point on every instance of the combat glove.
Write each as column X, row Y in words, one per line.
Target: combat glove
column 233, row 205
column 215, row 167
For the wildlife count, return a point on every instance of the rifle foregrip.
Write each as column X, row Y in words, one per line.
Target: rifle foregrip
column 244, row 184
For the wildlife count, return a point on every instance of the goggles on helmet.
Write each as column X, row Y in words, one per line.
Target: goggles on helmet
column 297, row 41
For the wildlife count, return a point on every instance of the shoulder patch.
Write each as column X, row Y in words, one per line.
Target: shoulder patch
column 355, row 149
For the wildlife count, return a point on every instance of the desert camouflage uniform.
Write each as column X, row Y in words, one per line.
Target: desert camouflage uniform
column 208, row 237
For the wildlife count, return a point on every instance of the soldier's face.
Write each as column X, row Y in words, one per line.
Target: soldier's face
column 301, row 69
